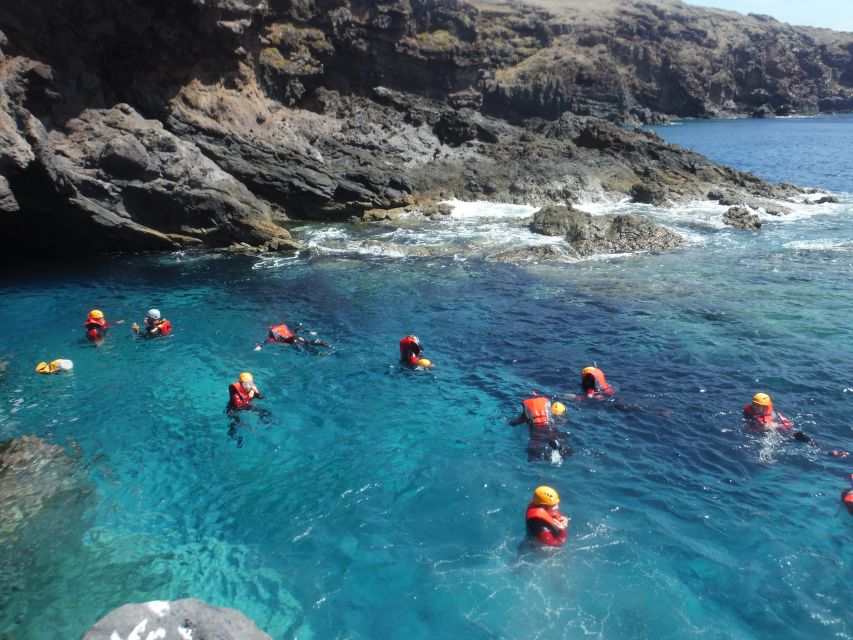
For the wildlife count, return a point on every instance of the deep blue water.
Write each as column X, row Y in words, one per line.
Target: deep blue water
column 813, row 152
column 382, row 503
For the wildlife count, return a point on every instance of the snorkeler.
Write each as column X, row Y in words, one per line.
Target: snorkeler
column 155, row 326
column 411, row 353
column 545, row 524
column 240, row 396
column 96, row 325
column 594, row 384
column 543, row 435
column 283, row 334
column 761, row 418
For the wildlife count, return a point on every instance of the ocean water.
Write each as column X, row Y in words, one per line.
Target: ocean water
column 378, row 502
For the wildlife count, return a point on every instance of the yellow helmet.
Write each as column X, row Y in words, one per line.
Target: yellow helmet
column 587, row 370
column 425, row 362
column 546, row 496
column 246, row 377
column 761, row 398
column 96, row 314
column 558, row 408
column 43, row 367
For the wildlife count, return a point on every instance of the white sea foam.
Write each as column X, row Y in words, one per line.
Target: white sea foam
column 820, row 245
column 487, row 229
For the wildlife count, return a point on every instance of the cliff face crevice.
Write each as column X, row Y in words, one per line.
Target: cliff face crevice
column 184, row 123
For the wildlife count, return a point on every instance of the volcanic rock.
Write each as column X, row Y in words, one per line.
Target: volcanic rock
column 611, row 233
column 127, row 125
column 741, row 218
column 175, row 620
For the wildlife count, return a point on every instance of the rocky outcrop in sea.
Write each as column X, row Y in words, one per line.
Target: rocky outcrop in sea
column 610, row 233
column 128, row 126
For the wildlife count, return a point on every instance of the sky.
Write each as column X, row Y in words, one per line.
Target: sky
column 832, row 14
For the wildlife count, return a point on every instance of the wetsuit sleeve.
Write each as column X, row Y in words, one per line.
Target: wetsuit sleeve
column 549, row 539
column 259, row 395
column 518, row 420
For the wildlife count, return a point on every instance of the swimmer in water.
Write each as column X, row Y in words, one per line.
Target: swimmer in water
column 761, row 418
column 153, row 326
column 543, row 435
column 411, row 353
column 96, row 325
column 543, row 520
column 240, row 396
column 282, row 334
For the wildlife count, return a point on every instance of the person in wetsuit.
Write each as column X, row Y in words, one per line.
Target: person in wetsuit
column 240, row 396
column 543, row 520
column 761, row 418
column 543, row 435
column 411, row 353
column 154, row 325
column 594, row 384
column 96, row 325
column 282, row 334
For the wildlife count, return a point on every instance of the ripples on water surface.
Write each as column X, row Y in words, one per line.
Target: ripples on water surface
column 382, row 503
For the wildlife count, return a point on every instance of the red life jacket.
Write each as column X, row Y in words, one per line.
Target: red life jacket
column 410, row 350
column 95, row 328
column 281, row 333
column 601, row 386
column 538, row 412
column 537, row 516
column 767, row 420
column 239, row 397
column 164, row 328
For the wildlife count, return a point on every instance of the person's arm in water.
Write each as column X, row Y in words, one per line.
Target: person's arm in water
column 518, row 420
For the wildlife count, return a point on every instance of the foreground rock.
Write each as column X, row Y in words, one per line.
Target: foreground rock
column 589, row 235
column 33, row 473
column 742, row 218
column 176, row 620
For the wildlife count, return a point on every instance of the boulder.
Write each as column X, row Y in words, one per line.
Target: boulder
column 826, row 200
column 648, row 194
column 175, row 620
column 589, row 235
column 741, row 218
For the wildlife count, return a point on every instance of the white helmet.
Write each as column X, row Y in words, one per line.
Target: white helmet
column 154, row 314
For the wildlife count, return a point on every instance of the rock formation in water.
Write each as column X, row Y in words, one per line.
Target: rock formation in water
column 176, row 620
column 205, row 123
column 741, row 217
column 610, row 233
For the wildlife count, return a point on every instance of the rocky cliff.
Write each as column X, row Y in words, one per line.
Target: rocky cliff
column 184, row 123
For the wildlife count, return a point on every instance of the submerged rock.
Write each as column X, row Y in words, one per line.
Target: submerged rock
column 32, row 474
column 589, row 235
column 546, row 252
column 175, row 620
column 742, row 218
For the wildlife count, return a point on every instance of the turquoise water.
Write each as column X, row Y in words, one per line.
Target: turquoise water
column 384, row 503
